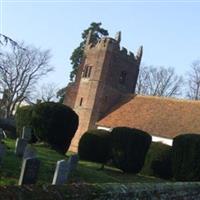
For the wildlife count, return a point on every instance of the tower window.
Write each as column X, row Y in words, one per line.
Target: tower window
column 106, row 98
column 81, row 101
column 122, row 77
column 87, row 71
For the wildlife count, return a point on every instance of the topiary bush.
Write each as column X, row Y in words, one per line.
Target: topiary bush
column 23, row 117
column 158, row 161
column 55, row 124
column 186, row 157
column 94, row 146
column 128, row 148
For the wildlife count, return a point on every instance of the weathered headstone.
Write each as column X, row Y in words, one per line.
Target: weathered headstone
column 63, row 169
column 29, row 152
column 4, row 134
column 20, row 146
column 73, row 161
column 26, row 133
column 2, row 152
column 29, row 171
column 1, row 134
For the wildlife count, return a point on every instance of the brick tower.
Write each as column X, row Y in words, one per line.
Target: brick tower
column 106, row 74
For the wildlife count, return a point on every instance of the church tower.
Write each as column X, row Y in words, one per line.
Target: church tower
column 106, row 74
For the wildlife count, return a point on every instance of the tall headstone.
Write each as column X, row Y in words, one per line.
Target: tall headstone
column 29, row 171
column 2, row 152
column 61, row 172
column 63, row 169
column 20, row 146
column 1, row 134
column 26, row 133
column 29, row 152
column 73, row 161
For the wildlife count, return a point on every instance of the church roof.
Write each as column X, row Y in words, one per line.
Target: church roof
column 159, row 116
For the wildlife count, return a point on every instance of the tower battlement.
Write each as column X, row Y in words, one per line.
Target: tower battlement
column 104, row 42
column 113, row 44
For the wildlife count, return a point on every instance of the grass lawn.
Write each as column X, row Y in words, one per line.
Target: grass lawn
column 86, row 171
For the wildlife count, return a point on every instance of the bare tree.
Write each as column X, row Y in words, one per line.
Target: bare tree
column 61, row 94
column 142, row 81
column 194, row 81
column 48, row 92
column 159, row 81
column 4, row 40
column 20, row 69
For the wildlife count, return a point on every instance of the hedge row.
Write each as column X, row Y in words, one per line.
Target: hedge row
column 126, row 147
column 186, row 157
column 181, row 161
column 158, row 161
column 95, row 146
column 129, row 147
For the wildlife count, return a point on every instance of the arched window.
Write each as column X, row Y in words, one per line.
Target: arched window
column 87, row 71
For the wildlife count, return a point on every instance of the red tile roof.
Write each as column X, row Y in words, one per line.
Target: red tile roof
column 165, row 117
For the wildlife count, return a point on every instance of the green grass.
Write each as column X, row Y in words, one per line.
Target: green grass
column 86, row 171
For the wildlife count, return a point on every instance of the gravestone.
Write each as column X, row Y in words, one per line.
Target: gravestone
column 29, row 171
column 63, row 169
column 26, row 133
column 20, row 146
column 2, row 152
column 1, row 134
column 73, row 161
column 29, row 152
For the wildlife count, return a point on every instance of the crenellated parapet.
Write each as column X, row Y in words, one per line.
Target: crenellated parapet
column 113, row 45
column 103, row 43
column 128, row 55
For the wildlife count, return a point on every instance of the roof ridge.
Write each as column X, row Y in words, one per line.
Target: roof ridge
column 167, row 98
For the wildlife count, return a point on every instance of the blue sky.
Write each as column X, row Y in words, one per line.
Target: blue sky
column 168, row 31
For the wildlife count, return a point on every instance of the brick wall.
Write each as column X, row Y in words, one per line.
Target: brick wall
column 154, row 191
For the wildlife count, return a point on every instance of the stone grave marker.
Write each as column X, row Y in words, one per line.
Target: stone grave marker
column 1, row 134
column 2, row 152
column 73, row 161
column 61, row 172
column 26, row 133
column 20, row 146
column 29, row 152
column 63, row 169
column 29, row 171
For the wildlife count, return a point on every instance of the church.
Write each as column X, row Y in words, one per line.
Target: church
column 103, row 95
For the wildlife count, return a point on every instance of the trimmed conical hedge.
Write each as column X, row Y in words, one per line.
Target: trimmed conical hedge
column 128, row 148
column 186, row 157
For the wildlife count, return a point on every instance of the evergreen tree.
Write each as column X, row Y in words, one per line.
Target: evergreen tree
column 97, row 33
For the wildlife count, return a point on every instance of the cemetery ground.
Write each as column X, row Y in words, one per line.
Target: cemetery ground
column 86, row 172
